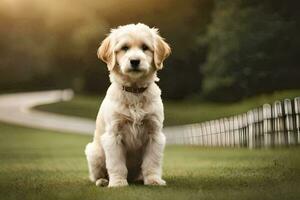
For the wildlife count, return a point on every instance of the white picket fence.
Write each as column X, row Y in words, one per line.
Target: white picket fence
column 267, row 126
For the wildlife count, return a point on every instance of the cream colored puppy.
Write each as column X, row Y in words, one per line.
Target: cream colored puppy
column 128, row 141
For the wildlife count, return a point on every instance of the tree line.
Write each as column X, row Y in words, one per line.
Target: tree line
column 222, row 50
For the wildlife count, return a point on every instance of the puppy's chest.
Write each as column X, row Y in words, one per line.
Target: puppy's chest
column 136, row 113
column 134, row 125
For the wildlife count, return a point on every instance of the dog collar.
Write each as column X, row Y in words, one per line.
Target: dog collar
column 135, row 90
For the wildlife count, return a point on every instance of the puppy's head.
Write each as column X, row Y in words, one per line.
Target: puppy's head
column 134, row 51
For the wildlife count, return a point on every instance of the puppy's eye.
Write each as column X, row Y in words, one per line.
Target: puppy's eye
column 145, row 47
column 125, row 48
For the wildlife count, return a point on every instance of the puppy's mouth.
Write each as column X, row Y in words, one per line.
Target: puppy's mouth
column 135, row 70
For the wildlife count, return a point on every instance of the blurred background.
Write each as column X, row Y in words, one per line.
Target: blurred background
column 229, row 57
column 222, row 50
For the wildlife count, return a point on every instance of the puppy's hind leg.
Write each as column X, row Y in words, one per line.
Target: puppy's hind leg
column 96, row 163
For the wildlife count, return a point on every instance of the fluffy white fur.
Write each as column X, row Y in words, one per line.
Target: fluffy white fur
column 128, row 141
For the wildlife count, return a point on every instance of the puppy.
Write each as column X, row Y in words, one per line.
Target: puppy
column 128, row 141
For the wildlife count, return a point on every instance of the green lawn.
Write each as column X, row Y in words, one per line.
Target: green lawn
column 181, row 112
column 37, row 164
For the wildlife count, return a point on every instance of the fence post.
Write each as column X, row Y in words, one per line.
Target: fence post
column 256, row 133
column 180, row 137
column 186, row 135
column 245, row 131
column 240, row 130
column 172, row 135
column 297, row 117
column 222, row 132
column 177, row 137
column 267, row 125
column 278, row 125
column 260, row 138
column 231, row 132
column 212, row 132
column 251, row 128
column 205, row 134
column 197, row 133
column 201, row 135
column 289, row 124
column 193, row 134
column 227, row 128
column 218, row 132
column 236, row 131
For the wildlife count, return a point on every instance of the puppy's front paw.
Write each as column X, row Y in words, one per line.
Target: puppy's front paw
column 102, row 182
column 154, row 180
column 118, row 183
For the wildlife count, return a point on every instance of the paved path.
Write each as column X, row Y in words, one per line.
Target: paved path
column 16, row 109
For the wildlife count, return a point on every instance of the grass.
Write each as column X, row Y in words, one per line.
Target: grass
column 37, row 164
column 176, row 113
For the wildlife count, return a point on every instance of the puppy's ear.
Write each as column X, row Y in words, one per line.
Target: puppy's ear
column 106, row 53
column 161, row 50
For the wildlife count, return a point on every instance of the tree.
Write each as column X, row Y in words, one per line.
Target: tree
column 247, row 50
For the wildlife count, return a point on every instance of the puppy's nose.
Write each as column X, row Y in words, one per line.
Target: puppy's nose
column 135, row 63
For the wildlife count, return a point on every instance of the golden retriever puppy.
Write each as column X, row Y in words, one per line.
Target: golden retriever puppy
column 128, row 141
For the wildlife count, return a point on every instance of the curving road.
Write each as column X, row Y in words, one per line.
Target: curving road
column 16, row 109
